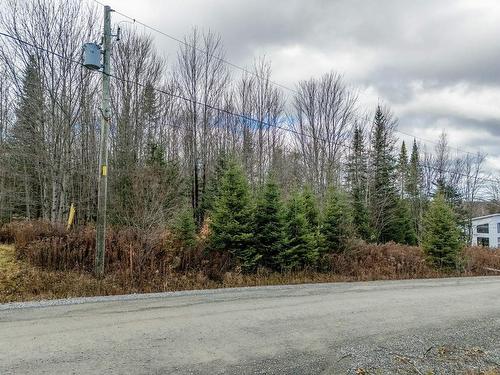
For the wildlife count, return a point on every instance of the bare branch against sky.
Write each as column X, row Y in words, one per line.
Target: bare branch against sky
column 434, row 63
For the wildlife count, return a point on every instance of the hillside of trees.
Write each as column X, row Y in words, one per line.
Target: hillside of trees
column 280, row 177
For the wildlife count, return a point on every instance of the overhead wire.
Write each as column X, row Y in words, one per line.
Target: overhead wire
column 249, row 72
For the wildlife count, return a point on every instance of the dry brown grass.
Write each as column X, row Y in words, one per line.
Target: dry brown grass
column 49, row 262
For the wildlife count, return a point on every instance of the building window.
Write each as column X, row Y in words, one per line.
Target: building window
column 483, row 228
column 498, row 227
column 483, row 241
column 498, row 243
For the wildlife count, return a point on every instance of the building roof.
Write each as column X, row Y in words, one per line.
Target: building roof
column 485, row 217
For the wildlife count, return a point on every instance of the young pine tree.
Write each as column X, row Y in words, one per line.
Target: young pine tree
column 299, row 248
column 337, row 226
column 357, row 176
column 441, row 237
column 231, row 218
column 268, row 225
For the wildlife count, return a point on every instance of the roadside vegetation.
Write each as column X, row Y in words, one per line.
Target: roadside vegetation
column 215, row 179
column 45, row 261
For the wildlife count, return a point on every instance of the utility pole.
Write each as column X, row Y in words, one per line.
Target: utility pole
column 103, row 150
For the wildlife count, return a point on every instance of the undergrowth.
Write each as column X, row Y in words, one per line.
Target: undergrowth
column 49, row 262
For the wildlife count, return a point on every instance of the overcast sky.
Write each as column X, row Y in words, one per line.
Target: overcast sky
column 436, row 63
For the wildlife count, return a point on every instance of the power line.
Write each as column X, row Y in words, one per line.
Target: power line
column 245, row 70
column 222, row 110
column 201, row 50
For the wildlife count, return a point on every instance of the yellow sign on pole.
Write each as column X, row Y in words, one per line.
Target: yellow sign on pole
column 71, row 216
column 104, row 170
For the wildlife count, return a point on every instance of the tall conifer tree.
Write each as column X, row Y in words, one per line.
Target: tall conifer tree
column 383, row 195
column 402, row 170
column 357, row 175
column 414, row 189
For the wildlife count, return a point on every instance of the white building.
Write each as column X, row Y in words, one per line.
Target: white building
column 486, row 231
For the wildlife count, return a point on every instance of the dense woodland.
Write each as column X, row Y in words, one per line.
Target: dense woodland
column 279, row 176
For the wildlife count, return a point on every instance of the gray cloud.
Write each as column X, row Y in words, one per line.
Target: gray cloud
column 434, row 62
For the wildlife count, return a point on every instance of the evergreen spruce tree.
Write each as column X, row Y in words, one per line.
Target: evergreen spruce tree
column 185, row 229
column 312, row 218
column 454, row 198
column 298, row 248
column 213, row 184
column 383, row 195
column 441, row 237
column 404, row 229
column 311, row 208
column 337, row 226
column 357, row 175
column 268, row 225
column 231, row 218
column 414, row 189
column 402, row 170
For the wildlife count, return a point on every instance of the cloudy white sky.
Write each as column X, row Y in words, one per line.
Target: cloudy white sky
column 435, row 62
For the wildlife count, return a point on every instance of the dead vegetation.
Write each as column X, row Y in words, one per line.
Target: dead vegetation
column 49, row 262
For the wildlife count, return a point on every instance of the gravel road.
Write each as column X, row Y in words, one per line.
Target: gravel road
column 403, row 327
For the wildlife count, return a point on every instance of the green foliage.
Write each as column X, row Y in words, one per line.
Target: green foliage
column 299, row 246
column 232, row 218
column 404, row 230
column 214, row 181
column 414, row 189
column 441, row 238
column 383, row 204
column 454, row 198
column 402, row 170
column 337, row 227
column 156, row 155
column 357, row 176
column 268, row 225
column 185, row 229
column 310, row 208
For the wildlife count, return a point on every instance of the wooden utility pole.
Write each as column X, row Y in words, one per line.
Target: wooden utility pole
column 103, row 150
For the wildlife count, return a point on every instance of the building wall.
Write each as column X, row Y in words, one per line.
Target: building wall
column 494, row 233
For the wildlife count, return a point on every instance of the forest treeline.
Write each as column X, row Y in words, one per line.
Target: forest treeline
column 294, row 172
